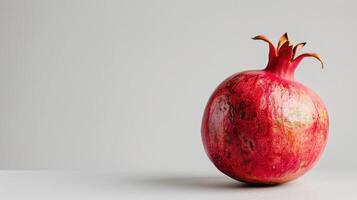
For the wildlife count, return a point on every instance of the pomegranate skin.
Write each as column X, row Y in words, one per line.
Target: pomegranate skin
column 260, row 128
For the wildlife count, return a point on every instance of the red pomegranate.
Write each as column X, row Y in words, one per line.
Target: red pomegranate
column 262, row 126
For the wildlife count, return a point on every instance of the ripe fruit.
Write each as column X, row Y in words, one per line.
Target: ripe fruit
column 262, row 126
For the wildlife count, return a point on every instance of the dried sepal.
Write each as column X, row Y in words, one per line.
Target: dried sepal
column 314, row 55
column 272, row 50
column 284, row 38
column 297, row 48
column 286, row 51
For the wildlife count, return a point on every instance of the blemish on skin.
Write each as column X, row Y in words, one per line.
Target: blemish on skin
column 242, row 115
column 217, row 159
column 228, row 138
column 248, row 144
column 241, row 106
column 224, row 107
column 302, row 164
column 278, row 123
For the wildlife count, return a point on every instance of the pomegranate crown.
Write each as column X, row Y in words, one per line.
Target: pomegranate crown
column 282, row 59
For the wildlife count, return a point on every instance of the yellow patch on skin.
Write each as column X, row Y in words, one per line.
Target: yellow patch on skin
column 278, row 123
column 294, row 142
column 302, row 164
column 291, row 139
column 322, row 116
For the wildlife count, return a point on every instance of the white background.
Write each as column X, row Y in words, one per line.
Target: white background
column 122, row 85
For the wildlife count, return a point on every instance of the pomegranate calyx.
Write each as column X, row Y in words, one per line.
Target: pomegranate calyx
column 282, row 59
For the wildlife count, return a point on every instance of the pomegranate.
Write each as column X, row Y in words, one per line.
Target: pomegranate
column 262, row 126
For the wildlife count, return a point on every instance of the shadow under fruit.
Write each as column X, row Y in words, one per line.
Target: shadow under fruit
column 262, row 126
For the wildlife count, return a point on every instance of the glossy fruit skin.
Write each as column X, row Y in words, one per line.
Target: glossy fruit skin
column 259, row 127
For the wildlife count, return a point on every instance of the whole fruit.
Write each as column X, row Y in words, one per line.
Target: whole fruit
column 262, row 126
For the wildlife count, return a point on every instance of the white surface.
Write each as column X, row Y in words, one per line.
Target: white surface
column 95, row 185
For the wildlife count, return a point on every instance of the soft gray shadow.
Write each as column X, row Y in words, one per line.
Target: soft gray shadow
column 198, row 182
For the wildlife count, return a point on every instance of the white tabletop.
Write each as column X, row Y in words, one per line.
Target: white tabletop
column 110, row 185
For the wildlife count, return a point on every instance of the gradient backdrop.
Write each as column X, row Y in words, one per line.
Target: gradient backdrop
column 121, row 85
